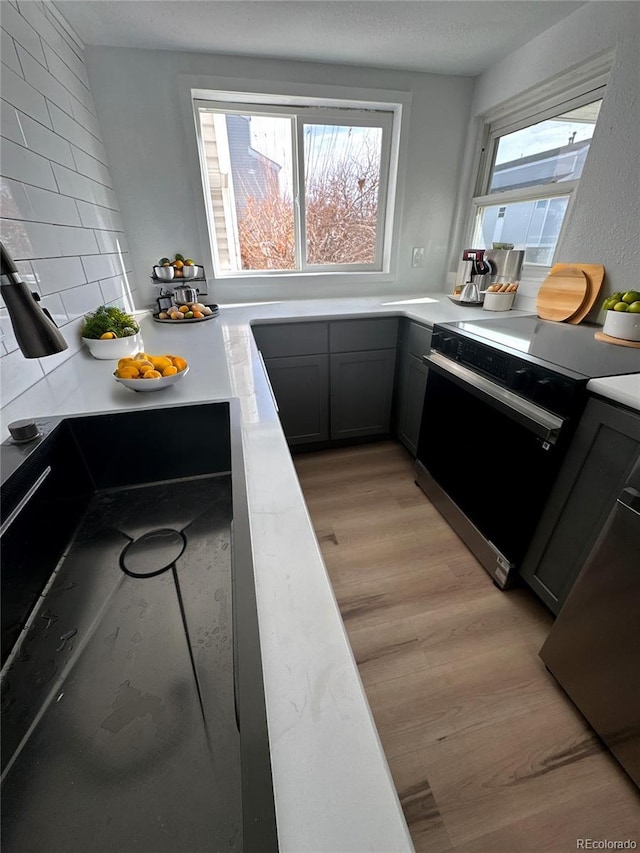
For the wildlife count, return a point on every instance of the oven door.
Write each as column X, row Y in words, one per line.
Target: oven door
column 487, row 459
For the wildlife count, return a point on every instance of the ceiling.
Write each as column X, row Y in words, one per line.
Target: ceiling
column 440, row 36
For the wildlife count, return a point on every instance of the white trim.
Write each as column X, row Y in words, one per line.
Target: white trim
column 581, row 85
column 347, row 113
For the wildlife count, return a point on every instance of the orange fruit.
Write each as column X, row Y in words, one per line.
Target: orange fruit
column 140, row 356
column 178, row 264
column 152, row 374
column 108, row 336
column 183, row 308
column 127, row 372
column 127, row 360
column 160, row 362
column 170, row 371
column 145, row 365
column 179, row 362
column 198, row 315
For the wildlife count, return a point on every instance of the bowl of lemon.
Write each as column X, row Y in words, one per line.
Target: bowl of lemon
column 146, row 372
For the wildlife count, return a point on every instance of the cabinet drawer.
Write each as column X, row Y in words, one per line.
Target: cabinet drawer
column 418, row 339
column 286, row 339
column 358, row 335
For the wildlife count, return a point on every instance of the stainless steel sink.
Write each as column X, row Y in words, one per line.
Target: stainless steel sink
column 133, row 711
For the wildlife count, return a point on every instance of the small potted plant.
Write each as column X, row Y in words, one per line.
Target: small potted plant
column 109, row 332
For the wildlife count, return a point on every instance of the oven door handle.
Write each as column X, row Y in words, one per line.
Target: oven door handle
column 528, row 414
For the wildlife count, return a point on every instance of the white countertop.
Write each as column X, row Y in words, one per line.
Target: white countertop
column 333, row 790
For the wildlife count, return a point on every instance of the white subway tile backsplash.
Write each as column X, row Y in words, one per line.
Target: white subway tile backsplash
column 77, row 241
column 69, row 80
column 57, row 274
column 72, row 63
column 7, row 335
column 18, row 373
column 116, row 288
column 104, row 266
column 75, row 133
column 29, row 239
column 112, row 241
column 71, row 334
column 25, row 131
column 22, row 31
column 19, row 93
column 86, row 118
column 23, row 165
column 54, row 306
column 64, row 28
column 99, row 217
column 51, row 207
column 59, row 212
column 42, row 80
column 89, row 166
column 8, row 52
column 81, row 300
column 15, row 202
column 50, row 36
column 73, row 184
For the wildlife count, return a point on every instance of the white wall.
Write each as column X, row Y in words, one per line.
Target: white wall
column 140, row 96
column 603, row 225
column 59, row 216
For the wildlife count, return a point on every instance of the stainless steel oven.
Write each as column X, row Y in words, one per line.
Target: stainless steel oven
column 496, row 423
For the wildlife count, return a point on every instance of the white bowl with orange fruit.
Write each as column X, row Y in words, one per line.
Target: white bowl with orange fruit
column 146, row 372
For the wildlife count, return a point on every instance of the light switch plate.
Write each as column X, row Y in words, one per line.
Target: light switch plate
column 417, row 257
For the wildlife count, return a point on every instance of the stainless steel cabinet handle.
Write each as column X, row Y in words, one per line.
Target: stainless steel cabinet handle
column 531, row 416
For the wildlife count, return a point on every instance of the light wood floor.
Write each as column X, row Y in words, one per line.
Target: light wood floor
column 487, row 753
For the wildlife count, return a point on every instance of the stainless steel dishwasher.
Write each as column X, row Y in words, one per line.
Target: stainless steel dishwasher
column 593, row 648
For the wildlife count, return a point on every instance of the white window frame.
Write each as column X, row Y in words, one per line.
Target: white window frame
column 310, row 111
column 548, row 102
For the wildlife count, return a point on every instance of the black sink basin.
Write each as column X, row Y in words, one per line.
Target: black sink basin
column 133, row 713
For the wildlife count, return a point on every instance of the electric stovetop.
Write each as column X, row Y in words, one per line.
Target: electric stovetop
column 560, row 345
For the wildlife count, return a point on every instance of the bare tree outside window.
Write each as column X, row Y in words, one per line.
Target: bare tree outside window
column 252, row 184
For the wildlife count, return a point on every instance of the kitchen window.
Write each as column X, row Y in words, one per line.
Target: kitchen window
column 296, row 188
column 530, row 168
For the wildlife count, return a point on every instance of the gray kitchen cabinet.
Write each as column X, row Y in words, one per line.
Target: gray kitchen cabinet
column 361, row 392
column 602, row 453
column 331, row 380
column 301, row 387
column 411, row 382
column 297, row 361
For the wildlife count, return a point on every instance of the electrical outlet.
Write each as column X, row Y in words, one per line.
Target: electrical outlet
column 417, row 257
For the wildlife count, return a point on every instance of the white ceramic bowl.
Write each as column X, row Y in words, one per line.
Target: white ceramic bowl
column 189, row 272
column 152, row 384
column 621, row 324
column 164, row 273
column 498, row 301
column 115, row 347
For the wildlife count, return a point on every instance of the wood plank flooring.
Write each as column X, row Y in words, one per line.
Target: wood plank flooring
column 486, row 752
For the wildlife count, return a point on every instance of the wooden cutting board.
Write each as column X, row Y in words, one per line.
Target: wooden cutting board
column 595, row 278
column 562, row 294
column 600, row 336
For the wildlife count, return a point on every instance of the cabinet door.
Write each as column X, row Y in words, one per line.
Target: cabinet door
column 411, row 401
column 301, row 388
column 361, row 393
column 601, row 455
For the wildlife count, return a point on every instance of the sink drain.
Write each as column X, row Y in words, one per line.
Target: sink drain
column 152, row 553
